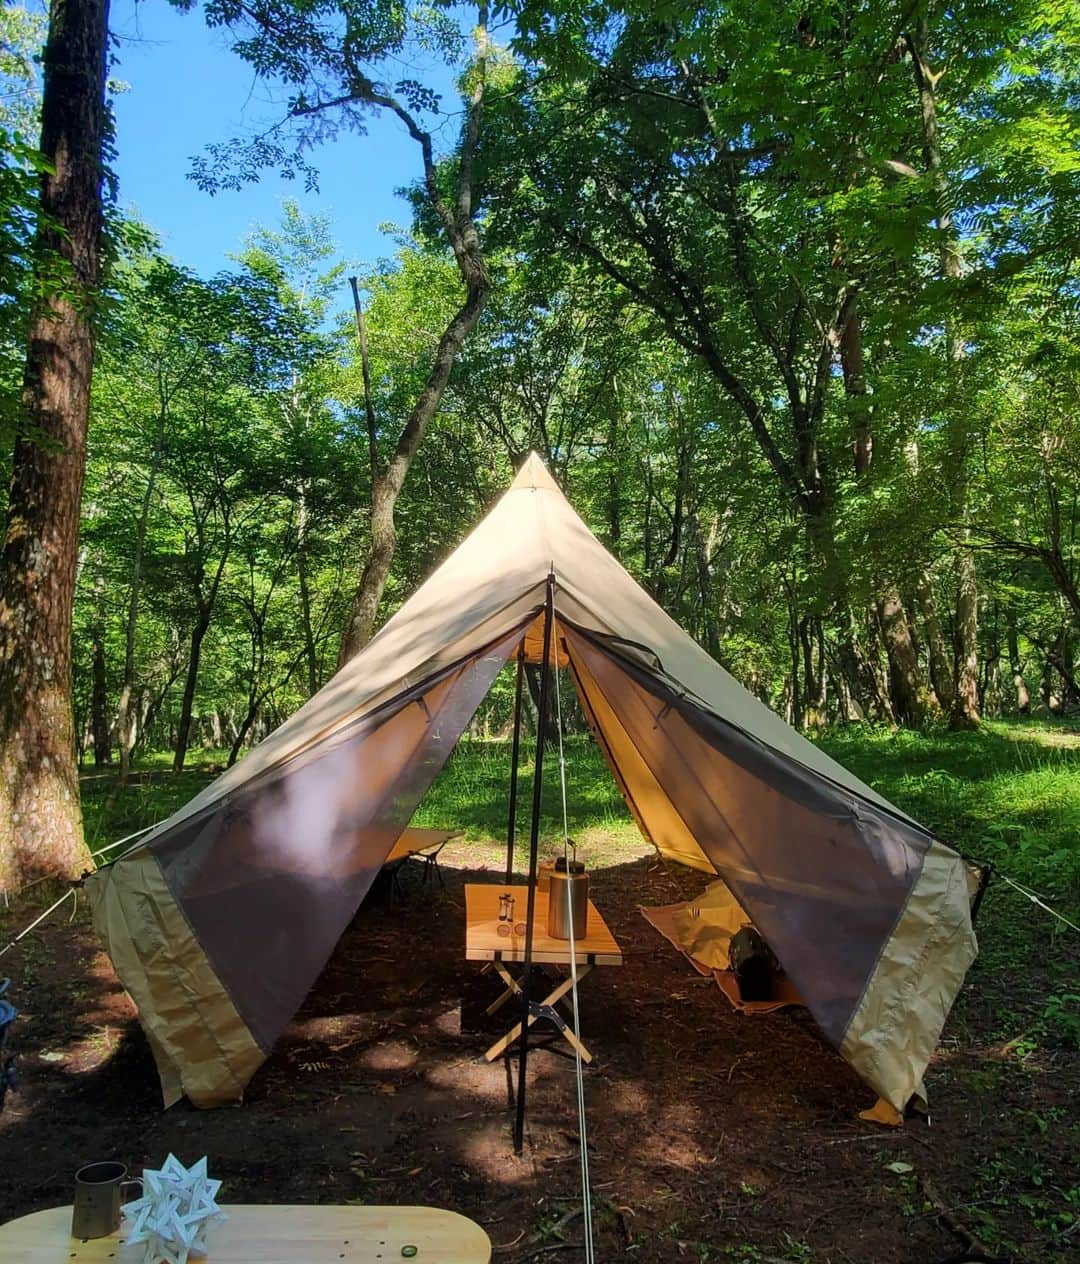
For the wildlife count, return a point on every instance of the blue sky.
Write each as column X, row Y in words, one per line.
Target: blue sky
column 186, row 90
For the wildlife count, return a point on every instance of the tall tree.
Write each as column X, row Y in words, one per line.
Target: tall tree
column 965, row 698
column 333, row 56
column 40, row 820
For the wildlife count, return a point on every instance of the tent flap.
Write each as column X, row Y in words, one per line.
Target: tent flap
column 219, row 927
column 867, row 912
column 894, row 1031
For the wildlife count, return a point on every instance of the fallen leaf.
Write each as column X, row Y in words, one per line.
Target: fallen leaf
column 899, row 1168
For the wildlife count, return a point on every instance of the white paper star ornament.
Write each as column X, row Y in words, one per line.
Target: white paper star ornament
column 172, row 1217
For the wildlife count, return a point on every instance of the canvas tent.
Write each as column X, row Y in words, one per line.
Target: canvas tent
column 220, row 921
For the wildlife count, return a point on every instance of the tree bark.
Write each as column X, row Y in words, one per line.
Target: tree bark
column 125, row 735
column 1016, row 665
column 99, row 695
column 902, row 659
column 965, row 709
column 965, row 712
column 40, row 820
column 941, row 677
column 311, row 657
column 183, row 730
column 460, row 230
column 1059, row 656
column 904, row 681
column 614, row 483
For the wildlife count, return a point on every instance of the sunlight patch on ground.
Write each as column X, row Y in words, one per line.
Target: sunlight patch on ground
column 467, row 1080
column 91, row 1051
column 332, row 1028
column 389, row 1055
column 489, row 1151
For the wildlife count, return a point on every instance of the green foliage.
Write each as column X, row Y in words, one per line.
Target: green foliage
column 213, row 442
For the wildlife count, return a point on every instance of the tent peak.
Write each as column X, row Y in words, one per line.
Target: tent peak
column 534, row 476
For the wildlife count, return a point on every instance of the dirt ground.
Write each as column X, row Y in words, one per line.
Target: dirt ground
column 713, row 1135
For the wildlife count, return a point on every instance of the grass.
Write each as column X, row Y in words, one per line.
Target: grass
column 1009, row 793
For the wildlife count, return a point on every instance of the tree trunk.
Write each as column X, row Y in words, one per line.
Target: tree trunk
column 183, row 731
column 242, row 732
column 99, row 701
column 965, row 708
column 941, row 677
column 860, row 675
column 1016, row 666
column 365, row 606
column 461, row 233
column 903, row 662
column 124, row 728
column 904, row 682
column 614, row 482
column 795, row 718
column 311, row 657
column 965, row 712
column 990, row 671
column 1059, row 656
column 40, row 821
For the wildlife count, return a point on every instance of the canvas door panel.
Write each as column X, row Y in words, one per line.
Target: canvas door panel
column 820, row 874
column 269, row 881
column 649, row 804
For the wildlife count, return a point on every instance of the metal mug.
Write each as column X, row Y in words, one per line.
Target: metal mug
column 98, row 1195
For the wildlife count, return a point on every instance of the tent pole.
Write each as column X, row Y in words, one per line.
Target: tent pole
column 534, row 839
column 511, row 823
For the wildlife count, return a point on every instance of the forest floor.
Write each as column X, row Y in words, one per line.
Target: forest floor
column 713, row 1136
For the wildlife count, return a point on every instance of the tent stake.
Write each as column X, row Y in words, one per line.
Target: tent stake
column 511, row 823
column 534, row 839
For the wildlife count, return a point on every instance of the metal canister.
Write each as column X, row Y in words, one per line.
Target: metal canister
column 569, row 889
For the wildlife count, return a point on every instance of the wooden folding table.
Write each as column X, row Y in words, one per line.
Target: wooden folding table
column 271, row 1235
column 483, row 942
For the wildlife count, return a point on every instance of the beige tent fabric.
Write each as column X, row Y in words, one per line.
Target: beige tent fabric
column 653, row 811
column 895, row 1030
column 201, row 1045
column 482, row 590
column 737, row 812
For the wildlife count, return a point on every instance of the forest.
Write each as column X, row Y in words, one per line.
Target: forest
column 786, row 299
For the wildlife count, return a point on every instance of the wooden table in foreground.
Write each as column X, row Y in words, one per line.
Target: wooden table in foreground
column 484, row 943
column 271, row 1235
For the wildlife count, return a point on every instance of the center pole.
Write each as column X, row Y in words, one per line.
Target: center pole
column 534, row 839
column 511, row 823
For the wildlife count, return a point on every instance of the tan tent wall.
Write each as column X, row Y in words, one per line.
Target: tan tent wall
column 895, row 1030
column 650, row 806
column 200, row 1043
column 866, row 913
column 219, row 929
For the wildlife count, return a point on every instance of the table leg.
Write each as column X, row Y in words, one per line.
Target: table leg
column 553, row 997
column 513, row 988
